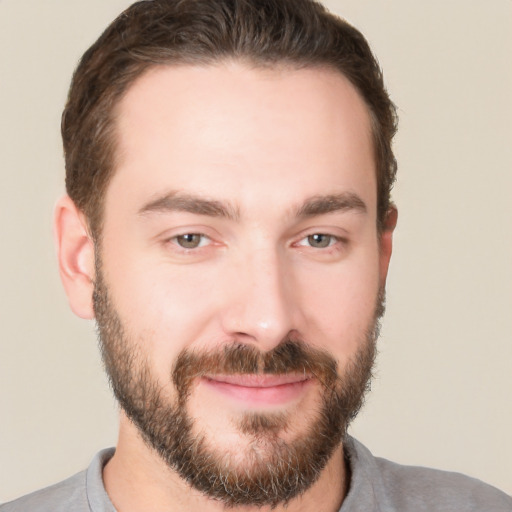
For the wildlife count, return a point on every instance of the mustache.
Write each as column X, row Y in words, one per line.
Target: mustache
column 288, row 357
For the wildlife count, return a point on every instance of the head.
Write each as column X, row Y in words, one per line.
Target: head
column 229, row 227
column 264, row 33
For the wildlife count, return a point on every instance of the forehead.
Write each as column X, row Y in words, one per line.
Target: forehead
column 230, row 127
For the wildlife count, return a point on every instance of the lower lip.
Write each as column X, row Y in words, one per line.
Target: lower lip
column 260, row 395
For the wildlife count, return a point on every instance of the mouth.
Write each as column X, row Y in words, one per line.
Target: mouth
column 259, row 390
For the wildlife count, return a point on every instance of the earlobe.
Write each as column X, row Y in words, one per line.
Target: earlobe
column 386, row 243
column 75, row 251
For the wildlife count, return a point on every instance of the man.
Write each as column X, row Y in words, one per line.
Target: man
column 229, row 226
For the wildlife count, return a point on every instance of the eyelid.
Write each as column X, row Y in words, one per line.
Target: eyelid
column 182, row 229
column 334, row 239
column 205, row 240
column 201, row 240
column 336, row 231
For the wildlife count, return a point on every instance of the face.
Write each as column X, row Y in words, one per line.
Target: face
column 240, row 272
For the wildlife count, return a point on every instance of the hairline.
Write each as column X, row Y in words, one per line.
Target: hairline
column 94, row 210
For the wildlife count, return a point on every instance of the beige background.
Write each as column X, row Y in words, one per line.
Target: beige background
column 443, row 392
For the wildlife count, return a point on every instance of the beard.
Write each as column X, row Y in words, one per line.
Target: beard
column 268, row 470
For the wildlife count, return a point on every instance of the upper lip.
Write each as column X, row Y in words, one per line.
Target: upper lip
column 259, row 380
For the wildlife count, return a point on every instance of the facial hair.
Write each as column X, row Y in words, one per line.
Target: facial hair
column 273, row 470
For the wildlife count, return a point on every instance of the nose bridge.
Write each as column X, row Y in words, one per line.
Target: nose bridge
column 261, row 309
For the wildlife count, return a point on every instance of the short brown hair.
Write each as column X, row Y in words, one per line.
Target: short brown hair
column 301, row 33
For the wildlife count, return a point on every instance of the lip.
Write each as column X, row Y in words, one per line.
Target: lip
column 259, row 390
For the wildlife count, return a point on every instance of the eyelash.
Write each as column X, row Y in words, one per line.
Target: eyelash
column 203, row 239
column 306, row 241
column 332, row 240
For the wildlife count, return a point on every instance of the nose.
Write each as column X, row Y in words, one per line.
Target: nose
column 260, row 306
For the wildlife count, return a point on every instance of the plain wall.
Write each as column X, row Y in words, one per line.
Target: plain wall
column 442, row 394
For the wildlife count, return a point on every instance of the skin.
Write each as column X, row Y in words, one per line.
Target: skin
column 262, row 144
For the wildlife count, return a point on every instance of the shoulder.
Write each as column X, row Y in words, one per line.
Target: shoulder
column 418, row 489
column 83, row 492
column 69, row 495
column 431, row 489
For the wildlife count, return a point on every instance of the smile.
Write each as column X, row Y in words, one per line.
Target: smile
column 259, row 390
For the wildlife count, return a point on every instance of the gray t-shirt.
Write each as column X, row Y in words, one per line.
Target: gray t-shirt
column 376, row 485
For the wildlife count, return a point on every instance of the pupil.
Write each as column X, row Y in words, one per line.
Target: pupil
column 189, row 241
column 319, row 240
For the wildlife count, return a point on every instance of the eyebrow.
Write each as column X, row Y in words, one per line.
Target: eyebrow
column 316, row 205
column 181, row 202
column 321, row 205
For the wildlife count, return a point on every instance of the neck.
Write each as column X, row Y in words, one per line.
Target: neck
column 137, row 479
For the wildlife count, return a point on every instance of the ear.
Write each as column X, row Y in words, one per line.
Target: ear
column 75, row 251
column 386, row 243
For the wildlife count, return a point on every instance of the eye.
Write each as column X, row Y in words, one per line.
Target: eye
column 319, row 240
column 191, row 240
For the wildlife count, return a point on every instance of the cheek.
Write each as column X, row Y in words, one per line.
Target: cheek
column 340, row 306
column 163, row 308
